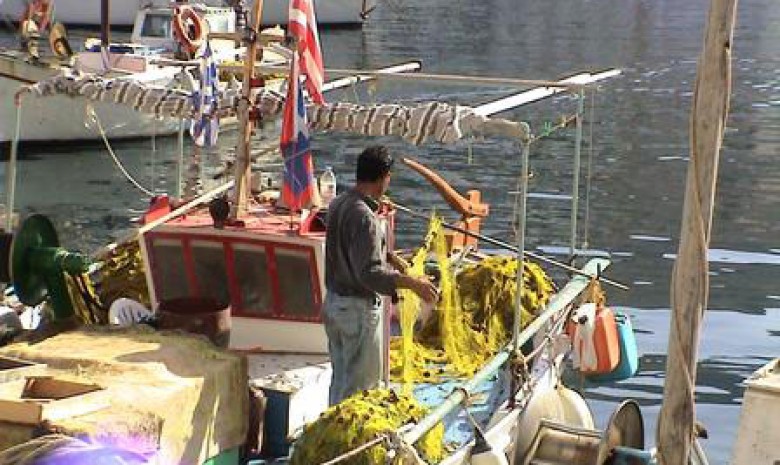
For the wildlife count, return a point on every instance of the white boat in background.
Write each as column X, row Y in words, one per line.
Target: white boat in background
column 140, row 60
column 40, row 122
column 123, row 13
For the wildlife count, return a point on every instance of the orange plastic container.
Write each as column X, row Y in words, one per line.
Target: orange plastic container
column 606, row 342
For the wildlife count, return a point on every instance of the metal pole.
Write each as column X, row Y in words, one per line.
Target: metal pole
column 575, row 195
column 517, row 322
column 10, row 175
column 521, row 221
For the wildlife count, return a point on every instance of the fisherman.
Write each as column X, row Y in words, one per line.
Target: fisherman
column 357, row 274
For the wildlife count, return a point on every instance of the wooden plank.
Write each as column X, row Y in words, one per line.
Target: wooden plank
column 32, row 412
column 76, row 406
column 20, row 412
column 50, row 388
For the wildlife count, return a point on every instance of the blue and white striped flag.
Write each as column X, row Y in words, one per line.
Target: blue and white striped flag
column 204, row 128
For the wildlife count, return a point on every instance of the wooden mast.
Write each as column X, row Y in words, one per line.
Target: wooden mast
column 690, row 280
column 105, row 26
column 243, row 162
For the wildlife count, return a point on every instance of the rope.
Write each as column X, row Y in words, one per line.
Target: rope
column 34, row 450
column 589, row 173
column 93, row 116
column 357, row 450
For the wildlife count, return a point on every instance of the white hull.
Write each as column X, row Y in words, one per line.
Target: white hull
column 62, row 118
column 122, row 13
column 758, row 440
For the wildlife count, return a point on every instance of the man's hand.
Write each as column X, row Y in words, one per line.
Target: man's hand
column 424, row 289
column 397, row 262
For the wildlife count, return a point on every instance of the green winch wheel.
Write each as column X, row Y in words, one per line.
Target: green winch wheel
column 35, row 233
column 39, row 265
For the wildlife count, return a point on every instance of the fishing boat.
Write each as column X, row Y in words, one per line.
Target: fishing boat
column 41, row 121
column 330, row 12
column 268, row 266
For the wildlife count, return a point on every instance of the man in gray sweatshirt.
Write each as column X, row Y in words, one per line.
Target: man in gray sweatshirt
column 357, row 274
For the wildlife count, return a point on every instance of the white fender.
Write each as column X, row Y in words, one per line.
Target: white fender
column 575, row 410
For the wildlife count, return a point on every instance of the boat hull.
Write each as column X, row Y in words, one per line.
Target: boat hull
column 87, row 12
column 42, row 118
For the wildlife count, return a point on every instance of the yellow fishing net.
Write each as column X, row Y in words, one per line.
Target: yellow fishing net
column 473, row 319
column 471, row 322
column 122, row 275
column 359, row 419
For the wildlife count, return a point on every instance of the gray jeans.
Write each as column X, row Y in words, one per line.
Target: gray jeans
column 354, row 328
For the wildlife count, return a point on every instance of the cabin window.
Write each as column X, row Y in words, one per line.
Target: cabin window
column 218, row 23
column 295, row 283
column 251, row 269
column 156, row 26
column 168, row 256
column 208, row 259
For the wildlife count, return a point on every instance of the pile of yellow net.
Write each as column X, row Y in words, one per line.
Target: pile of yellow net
column 473, row 319
column 362, row 418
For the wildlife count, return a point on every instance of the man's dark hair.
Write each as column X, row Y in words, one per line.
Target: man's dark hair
column 373, row 164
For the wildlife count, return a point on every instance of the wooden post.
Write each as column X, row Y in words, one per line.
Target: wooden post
column 690, row 282
column 105, row 23
column 243, row 160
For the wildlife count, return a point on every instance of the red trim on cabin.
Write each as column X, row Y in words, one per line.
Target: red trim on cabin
column 234, row 289
column 236, row 299
column 273, row 273
column 189, row 267
column 315, row 283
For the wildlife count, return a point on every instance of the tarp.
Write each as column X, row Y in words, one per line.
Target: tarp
column 418, row 124
column 174, row 395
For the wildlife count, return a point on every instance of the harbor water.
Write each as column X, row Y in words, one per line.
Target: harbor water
column 632, row 179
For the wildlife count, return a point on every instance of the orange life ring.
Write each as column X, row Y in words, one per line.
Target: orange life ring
column 39, row 12
column 189, row 28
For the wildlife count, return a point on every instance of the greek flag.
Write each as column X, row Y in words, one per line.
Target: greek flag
column 299, row 186
column 204, row 128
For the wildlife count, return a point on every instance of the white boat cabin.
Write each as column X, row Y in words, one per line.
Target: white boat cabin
column 269, row 268
column 153, row 25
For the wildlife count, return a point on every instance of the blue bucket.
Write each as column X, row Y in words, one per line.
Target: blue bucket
column 629, row 355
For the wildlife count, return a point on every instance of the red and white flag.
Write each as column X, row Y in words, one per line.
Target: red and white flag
column 303, row 27
column 299, row 189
